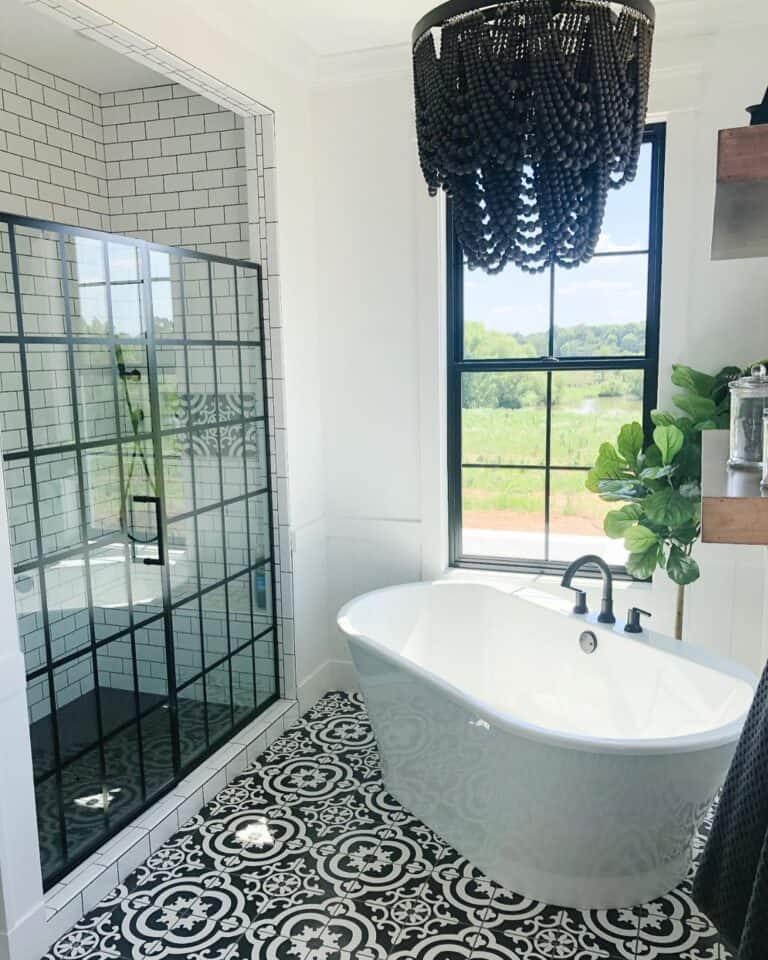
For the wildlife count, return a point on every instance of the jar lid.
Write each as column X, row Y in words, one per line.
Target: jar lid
column 757, row 380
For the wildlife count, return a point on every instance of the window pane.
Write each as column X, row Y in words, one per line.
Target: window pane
column 504, row 418
column 576, row 520
column 503, row 512
column 589, row 408
column 626, row 223
column 506, row 315
column 600, row 309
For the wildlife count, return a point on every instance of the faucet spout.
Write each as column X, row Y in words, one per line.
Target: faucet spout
column 606, row 606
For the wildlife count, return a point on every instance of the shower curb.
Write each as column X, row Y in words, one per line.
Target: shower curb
column 81, row 890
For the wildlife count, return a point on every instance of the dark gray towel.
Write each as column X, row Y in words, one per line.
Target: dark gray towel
column 731, row 886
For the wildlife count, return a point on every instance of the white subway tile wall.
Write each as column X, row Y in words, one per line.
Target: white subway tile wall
column 160, row 163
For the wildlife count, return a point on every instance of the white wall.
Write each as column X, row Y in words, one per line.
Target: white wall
column 379, row 249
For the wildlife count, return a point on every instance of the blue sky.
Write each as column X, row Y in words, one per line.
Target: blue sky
column 607, row 290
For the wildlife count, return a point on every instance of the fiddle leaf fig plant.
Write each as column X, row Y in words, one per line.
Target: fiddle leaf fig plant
column 659, row 485
column 659, row 482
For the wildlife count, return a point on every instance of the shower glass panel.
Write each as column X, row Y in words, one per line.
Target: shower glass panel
column 136, row 470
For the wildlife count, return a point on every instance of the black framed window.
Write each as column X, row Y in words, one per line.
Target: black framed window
column 542, row 369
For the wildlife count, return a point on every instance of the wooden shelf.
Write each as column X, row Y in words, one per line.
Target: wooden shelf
column 741, row 201
column 734, row 507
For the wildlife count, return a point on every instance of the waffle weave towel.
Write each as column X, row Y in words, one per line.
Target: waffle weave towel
column 731, row 885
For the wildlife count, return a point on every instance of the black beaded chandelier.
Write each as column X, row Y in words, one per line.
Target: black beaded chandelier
column 528, row 113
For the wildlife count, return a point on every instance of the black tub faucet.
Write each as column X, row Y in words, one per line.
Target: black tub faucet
column 606, row 606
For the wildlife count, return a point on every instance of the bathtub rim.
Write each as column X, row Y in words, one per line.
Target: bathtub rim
column 688, row 743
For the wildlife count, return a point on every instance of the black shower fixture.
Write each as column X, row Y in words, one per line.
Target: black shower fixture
column 528, row 113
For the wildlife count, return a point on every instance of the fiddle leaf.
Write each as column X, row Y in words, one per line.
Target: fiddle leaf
column 669, row 441
column 618, row 522
column 681, row 568
column 630, row 442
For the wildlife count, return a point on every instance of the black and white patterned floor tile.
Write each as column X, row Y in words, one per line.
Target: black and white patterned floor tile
column 307, row 857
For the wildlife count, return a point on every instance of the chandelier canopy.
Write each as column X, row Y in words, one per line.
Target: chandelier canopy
column 527, row 114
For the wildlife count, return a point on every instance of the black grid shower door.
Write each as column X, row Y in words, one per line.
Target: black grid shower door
column 136, row 466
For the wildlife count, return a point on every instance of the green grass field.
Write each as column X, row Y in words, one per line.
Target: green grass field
column 505, row 499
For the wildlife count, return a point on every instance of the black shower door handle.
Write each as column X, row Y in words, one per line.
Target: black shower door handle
column 159, row 561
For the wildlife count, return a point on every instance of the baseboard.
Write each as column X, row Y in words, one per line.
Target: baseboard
column 27, row 940
column 331, row 675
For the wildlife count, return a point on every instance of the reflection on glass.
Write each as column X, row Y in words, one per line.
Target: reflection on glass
column 229, row 398
column 239, row 597
column 243, row 688
column 85, row 802
column 182, row 558
column 506, row 315
column 172, row 388
column 177, row 463
column 193, row 730
column 504, row 418
column 264, row 664
column 125, row 290
column 109, row 589
column 589, row 407
column 8, row 325
column 219, row 690
column 202, row 386
column 67, row 604
column 157, row 734
column 210, row 547
column 187, row 650
column 50, row 394
column 600, row 309
column 152, row 668
column 248, row 303
column 224, row 301
column 87, row 285
column 95, row 379
column 197, row 299
column 255, row 457
column 29, row 614
column 232, row 465
column 76, row 705
column 40, row 281
column 236, row 536
column 207, row 478
column 261, row 592
column 258, row 527
column 21, row 516
column 503, row 512
column 214, row 606
column 253, row 384
column 101, row 476
column 12, row 424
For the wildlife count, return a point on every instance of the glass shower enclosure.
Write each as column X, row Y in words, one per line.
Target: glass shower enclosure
column 135, row 457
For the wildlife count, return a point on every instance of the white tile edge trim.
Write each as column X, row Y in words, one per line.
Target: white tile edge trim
column 82, row 889
column 86, row 20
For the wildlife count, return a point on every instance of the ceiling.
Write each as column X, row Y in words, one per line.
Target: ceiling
column 38, row 39
column 343, row 26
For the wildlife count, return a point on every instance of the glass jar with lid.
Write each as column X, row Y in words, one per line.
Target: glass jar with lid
column 749, row 399
column 764, row 481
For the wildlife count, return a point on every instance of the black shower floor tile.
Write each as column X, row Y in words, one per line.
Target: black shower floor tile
column 306, row 856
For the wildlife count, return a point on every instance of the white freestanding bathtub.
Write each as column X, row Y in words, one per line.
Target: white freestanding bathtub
column 573, row 778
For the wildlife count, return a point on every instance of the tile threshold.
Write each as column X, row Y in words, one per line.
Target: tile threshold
column 80, row 891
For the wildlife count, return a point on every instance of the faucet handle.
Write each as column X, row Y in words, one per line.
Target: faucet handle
column 581, row 600
column 633, row 620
